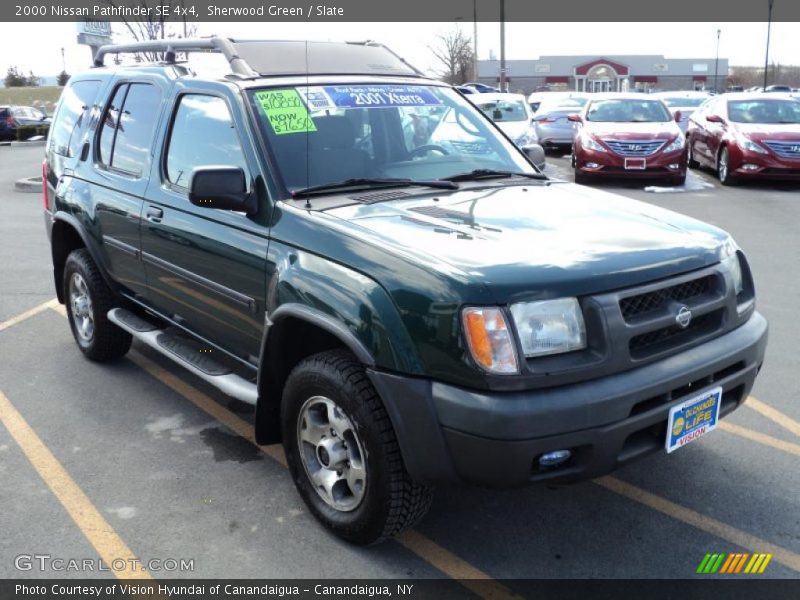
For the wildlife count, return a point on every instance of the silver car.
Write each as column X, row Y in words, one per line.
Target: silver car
column 685, row 102
column 553, row 129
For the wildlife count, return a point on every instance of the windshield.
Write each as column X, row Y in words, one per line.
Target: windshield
column 764, row 111
column 332, row 133
column 628, row 111
column 688, row 102
column 504, row 110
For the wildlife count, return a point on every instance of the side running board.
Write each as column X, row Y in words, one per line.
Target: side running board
column 187, row 354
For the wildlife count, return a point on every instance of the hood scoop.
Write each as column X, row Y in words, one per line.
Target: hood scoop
column 373, row 197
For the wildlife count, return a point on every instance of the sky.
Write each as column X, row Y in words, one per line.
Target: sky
column 37, row 46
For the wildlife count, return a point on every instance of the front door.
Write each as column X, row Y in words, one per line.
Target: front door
column 205, row 267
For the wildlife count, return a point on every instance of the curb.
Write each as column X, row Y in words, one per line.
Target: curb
column 30, row 143
column 30, row 185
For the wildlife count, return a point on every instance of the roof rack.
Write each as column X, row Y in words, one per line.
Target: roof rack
column 250, row 59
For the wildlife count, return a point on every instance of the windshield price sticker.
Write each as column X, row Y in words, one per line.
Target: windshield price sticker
column 372, row 96
column 285, row 111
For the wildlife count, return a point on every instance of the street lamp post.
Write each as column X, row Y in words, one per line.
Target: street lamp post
column 475, row 39
column 769, row 27
column 502, row 45
column 716, row 65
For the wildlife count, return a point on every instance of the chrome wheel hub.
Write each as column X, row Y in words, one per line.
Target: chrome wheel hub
column 331, row 453
column 81, row 305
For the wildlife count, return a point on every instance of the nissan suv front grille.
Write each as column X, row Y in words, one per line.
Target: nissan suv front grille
column 650, row 302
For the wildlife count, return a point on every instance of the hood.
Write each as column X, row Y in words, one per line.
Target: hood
column 774, row 131
column 539, row 240
column 632, row 131
column 513, row 129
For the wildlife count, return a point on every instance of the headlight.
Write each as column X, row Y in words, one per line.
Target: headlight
column 733, row 266
column 677, row 144
column 527, row 138
column 549, row 326
column 751, row 146
column 489, row 339
column 589, row 142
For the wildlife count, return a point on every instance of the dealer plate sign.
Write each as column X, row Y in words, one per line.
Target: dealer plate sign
column 693, row 418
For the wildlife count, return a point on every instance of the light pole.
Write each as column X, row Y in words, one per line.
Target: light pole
column 475, row 39
column 716, row 65
column 63, row 62
column 503, row 45
column 769, row 27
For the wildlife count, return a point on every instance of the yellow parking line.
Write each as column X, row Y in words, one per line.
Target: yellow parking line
column 760, row 438
column 445, row 561
column 704, row 523
column 774, row 415
column 92, row 524
column 28, row 314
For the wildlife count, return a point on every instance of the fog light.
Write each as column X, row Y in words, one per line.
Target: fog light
column 591, row 165
column 749, row 167
column 551, row 459
column 674, row 166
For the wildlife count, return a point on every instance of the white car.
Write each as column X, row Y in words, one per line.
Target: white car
column 511, row 114
column 685, row 102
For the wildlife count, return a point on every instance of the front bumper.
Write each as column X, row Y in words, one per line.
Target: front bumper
column 765, row 166
column 610, row 164
column 449, row 434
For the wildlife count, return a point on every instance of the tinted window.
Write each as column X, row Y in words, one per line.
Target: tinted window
column 203, row 134
column 127, row 134
column 110, row 121
column 76, row 104
column 628, row 111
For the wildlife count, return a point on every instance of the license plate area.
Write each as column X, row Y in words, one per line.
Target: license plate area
column 636, row 163
column 693, row 419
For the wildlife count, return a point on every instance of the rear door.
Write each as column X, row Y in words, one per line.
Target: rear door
column 122, row 157
column 205, row 267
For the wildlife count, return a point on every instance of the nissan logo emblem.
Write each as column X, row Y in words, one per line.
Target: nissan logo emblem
column 684, row 317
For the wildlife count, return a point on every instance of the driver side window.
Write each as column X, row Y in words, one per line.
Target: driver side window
column 203, row 134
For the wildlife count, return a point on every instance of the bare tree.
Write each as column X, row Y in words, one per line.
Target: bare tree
column 171, row 21
column 454, row 52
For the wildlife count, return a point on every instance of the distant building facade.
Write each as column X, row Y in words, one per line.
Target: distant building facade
column 609, row 73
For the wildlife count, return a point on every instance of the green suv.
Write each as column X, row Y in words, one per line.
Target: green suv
column 321, row 231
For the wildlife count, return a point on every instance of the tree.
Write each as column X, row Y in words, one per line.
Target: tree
column 454, row 52
column 159, row 27
column 32, row 80
column 14, row 78
column 63, row 78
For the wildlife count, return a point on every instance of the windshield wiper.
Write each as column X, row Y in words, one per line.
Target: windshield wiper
column 491, row 174
column 362, row 182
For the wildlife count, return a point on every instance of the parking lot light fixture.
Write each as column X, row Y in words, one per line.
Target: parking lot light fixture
column 766, row 54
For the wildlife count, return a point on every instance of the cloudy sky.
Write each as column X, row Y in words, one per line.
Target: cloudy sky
column 37, row 46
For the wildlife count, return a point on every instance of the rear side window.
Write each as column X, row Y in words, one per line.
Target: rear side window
column 203, row 134
column 128, row 126
column 76, row 105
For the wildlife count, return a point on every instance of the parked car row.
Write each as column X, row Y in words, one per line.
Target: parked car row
column 21, row 122
column 741, row 136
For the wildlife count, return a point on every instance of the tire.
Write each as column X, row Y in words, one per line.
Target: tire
column 678, row 180
column 330, row 392
column 581, row 177
column 691, row 162
column 88, row 299
column 723, row 168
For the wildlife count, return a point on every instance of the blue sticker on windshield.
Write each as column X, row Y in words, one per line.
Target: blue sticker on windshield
column 376, row 96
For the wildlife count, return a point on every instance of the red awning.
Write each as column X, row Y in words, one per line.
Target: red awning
column 586, row 67
column 699, row 78
column 645, row 79
column 556, row 79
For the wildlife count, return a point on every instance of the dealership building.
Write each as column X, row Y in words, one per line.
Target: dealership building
column 610, row 73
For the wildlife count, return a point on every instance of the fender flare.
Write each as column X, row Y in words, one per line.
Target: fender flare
column 88, row 243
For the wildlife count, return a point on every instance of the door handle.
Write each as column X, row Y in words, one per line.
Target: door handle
column 154, row 214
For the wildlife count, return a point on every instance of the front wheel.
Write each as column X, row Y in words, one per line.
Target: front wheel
column 691, row 162
column 343, row 453
column 723, row 168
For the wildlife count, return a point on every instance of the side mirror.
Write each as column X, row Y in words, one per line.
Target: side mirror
column 714, row 119
column 677, row 116
column 575, row 118
column 224, row 188
column 535, row 154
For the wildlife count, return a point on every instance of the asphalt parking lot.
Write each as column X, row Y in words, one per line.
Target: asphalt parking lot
column 140, row 459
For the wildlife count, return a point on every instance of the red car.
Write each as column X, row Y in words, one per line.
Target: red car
column 747, row 136
column 628, row 135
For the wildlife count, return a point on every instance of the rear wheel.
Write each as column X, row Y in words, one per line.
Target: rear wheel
column 343, row 453
column 723, row 168
column 88, row 299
